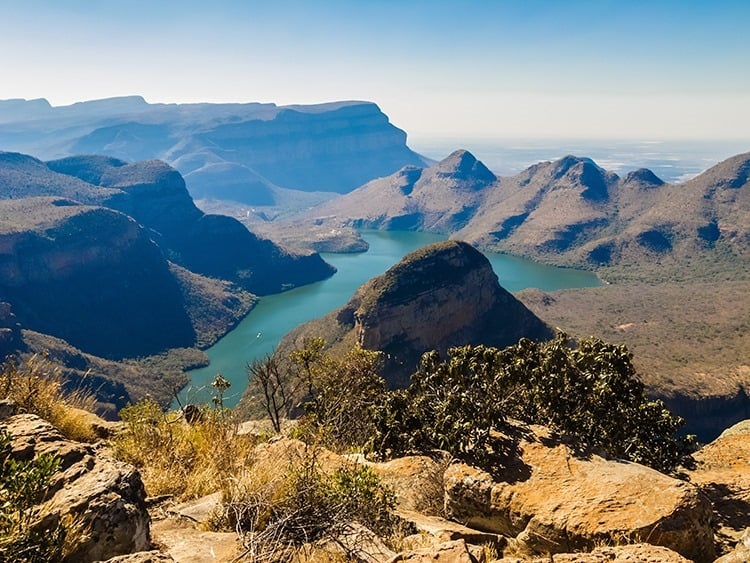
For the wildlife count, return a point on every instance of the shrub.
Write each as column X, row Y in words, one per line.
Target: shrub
column 23, row 485
column 590, row 393
column 337, row 394
column 278, row 513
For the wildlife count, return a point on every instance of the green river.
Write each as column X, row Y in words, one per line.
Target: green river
column 275, row 315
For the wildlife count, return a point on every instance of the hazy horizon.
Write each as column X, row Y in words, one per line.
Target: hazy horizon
column 536, row 69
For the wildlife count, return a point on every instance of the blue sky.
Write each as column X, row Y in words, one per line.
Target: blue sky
column 657, row 69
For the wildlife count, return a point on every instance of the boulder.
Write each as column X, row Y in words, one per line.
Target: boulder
column 550, row 501
column 101, row 500
column 186, row 544
column 143, row 557
column 635, row 553
column 722, row 472
column 457, row 551
column 741, row 552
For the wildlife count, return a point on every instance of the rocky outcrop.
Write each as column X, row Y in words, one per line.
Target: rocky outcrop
column 722, row 472
column 442, row 295
column 90, row 276
column 155, row 195
column 740, row 553
column 100, row 500
column 550, row 501
column 635, row 553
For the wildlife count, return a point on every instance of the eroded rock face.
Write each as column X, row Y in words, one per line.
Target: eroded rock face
column 102, row 497
column 440, row 296
column 722, row 472
column 556, row 503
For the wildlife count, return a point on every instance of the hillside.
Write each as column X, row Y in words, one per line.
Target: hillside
column 241, row 152
column 568, row 212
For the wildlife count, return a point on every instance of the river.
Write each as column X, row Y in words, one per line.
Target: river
column 275, row 315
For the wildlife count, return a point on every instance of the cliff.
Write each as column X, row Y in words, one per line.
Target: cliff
column 440, row 296
column 90, row 276
column 240, row 152
column 218, row 246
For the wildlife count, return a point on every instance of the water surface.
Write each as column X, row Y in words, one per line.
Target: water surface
column 275, row 315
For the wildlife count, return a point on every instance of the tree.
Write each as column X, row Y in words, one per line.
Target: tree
column 275, row 387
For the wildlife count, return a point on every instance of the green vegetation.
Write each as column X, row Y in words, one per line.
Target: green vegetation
column 23, row 485
column 338, row 395
column 589, row 393
column 283, row 511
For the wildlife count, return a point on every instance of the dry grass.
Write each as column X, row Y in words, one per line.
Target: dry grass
column 687, row 338
column 181, row 459
column 36, row 387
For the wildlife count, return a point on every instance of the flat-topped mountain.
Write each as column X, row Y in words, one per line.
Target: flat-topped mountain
column 443, row 295
column 570, row 211
column 154, row 194
column 114, row 261
column 242, row 152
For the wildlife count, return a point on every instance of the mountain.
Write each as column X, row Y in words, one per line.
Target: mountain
column 242, row 152
column 155, row 195
column 102, row 262
column 570, row 211
column 443, row 295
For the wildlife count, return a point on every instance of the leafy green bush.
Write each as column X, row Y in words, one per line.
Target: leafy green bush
column 590, row 393
column 23, row 485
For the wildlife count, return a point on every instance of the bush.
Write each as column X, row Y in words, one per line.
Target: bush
column 23, row 485
column 589, row 393
column 337, row 394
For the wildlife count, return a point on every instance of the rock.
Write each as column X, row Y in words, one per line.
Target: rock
column 636, row 553
column 198, row 510
column 186, row 544
column 103, row 498
column 722, row 472
column 456, row 551
column 143, row 557
column 552, row 502
column 741, row 552
column 7, row 409
column 416, row 480
column 443, row 530
column 358, row 544
column 442, row 295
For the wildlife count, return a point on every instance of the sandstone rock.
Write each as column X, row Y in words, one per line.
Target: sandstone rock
column 557, row 503
column 456, row 551
column 636, row 553
column 103, row 498
column 198, row 510
column 741, row 552
column 442, row 530
column 722, row 472
column 186, row 544
column 143, row 557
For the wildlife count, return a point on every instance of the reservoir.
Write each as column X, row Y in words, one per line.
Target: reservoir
column 275, row 315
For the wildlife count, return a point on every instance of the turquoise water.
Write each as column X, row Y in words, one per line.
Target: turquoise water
column 275, row 315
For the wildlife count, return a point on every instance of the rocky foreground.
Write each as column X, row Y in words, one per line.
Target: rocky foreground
column 543, row 504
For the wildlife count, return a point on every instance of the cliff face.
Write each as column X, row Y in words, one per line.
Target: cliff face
column 90, row 276
column 440, row 296
column 233, row 151
column 155, row 194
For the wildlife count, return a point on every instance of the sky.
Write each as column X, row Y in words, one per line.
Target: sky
column 631, row 69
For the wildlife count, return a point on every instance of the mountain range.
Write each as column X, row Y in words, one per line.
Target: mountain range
column 251, row 153
column 569, row 211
